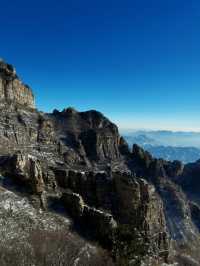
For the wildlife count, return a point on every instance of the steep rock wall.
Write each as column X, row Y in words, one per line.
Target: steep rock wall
column 12, row 90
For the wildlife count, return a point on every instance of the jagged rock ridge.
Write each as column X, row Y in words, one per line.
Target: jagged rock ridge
column 79, row 159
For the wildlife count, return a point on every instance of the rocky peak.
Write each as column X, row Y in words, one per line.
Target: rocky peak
column 7, row 70
column 12, row 90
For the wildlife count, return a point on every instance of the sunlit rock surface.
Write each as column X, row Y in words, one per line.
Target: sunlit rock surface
column 12, row 90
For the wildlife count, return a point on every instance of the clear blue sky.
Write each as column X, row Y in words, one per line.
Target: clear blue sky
column 137, row 61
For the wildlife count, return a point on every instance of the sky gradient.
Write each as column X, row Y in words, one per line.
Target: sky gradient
column 138, row 62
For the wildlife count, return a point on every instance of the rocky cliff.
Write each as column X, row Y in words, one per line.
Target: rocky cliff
column 12, row 90
column 129, row 202
column 177, row 185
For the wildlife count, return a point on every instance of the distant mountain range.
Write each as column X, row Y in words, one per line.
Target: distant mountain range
column 169, row 145
column 142, row 140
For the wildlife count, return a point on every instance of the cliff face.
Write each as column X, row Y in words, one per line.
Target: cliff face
column 79, row 159
column 123, row 212
column 128, row 201
column 177, row 186
column 12, row 90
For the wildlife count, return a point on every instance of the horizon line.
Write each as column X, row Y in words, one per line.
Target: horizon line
column 135, row 129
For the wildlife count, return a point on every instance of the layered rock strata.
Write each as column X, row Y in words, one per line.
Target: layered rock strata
column 126, row 199
column 12, row 90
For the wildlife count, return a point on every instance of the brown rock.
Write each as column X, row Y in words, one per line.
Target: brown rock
column 12, row 90
column 28, row 169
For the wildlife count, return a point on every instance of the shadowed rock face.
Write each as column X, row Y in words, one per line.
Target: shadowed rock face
column 178, row 187
column 73, row 138
column 78, row 158
column 100, row 202
column 89, row 133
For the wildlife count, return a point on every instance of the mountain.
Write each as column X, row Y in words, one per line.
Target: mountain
column 142, row 140
column 73, row 193
column 170, row 153
column 168, row 138
column 158, row 148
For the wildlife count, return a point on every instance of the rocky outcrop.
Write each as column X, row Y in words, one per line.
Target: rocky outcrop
column 74, row 203
column 173, row 182
column 189, row 180
column 32, row 237
column 126, row 199
column 26, row 169
column 140, row 207
column 12, row 90
column 100, row 223
column 195, row 213
column 89, row 133
column 100, row 202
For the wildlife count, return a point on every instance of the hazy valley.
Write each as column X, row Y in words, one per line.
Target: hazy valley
column 169, row 145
